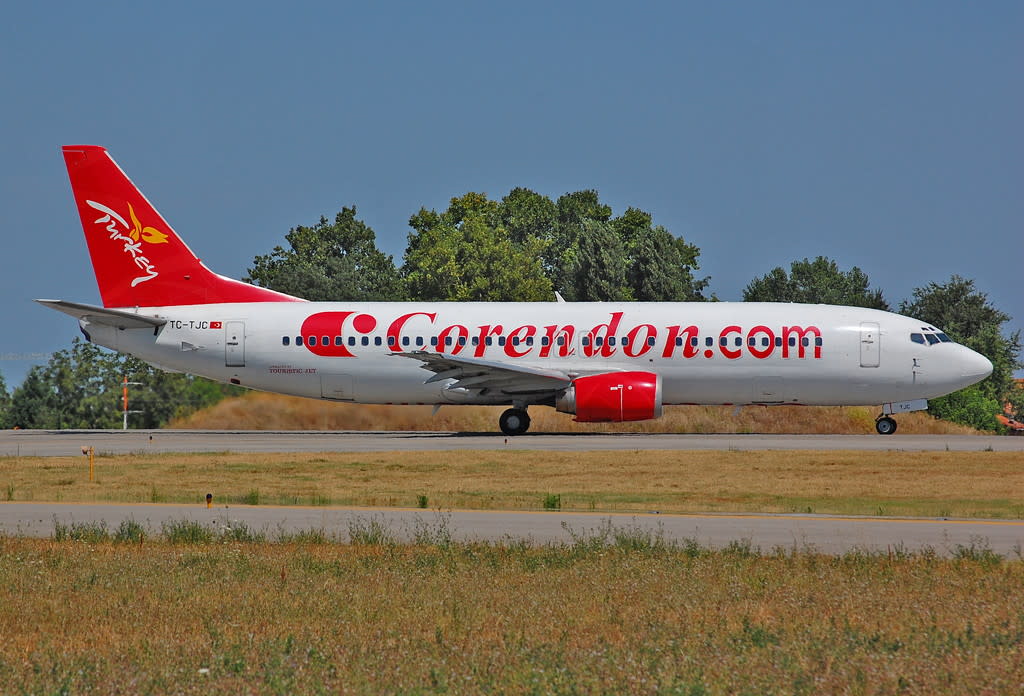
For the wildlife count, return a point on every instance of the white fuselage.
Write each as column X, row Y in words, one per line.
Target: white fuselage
column 706, row 353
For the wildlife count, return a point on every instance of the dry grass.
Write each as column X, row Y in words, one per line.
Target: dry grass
column 942, row 484
column 469, row 619
column 261, row 411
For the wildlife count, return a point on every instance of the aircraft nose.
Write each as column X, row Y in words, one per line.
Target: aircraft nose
column 974, row 366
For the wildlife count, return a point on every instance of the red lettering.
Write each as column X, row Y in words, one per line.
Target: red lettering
column 394, row 333
column 460, row 331
column 519, row 335
column 760, row 353
column 638, row 346
column 610, row 329
column 553, row 333
column 723, row 342
column 800, row 333
column 688, row 343
column 486, row 331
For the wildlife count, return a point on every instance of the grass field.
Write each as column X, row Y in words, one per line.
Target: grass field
column 628, row 615
column 934, row 484
column 261, row 411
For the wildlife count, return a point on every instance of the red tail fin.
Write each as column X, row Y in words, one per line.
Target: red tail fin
column 138, row 259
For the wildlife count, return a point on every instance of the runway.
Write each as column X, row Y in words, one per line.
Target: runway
column 821, row 533
column 50, row 443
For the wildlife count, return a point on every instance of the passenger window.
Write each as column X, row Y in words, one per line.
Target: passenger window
column 298, row 340
column 586, row 340
column 561, row 340
column 447, row 340
column 709, row 341
column 476, row 341
column 377, row 341
column 419, row 341
column 366, row 340
column 778, row 341
column 285, row 340
column 679, row 340
column 392, row 342
column 489, row 341
column 529, row 340
column 724, row 341
column 337, row 341
column 312, row 340
column 462, row 340
column 751, row 341
column 433, row 341
column 817, row 341
column 351, row 340
column 765, row 341
column 650, row 340
column 611, row 340
column 325, row 340
column 501, row 340
column 599, row 340
column 738, row 342
column 693, row 341
column 932, row 339
column 544, row 340
column 805, row 341
column 792, row 341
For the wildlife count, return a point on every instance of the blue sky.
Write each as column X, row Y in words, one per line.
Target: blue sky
column 885, row 135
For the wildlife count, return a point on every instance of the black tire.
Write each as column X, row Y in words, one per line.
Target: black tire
column 885, row 426
column 514, row 421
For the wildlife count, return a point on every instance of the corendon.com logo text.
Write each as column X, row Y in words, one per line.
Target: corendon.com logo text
column 133, row 236
column 327, row 334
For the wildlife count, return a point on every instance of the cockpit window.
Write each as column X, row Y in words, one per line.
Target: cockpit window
column 944, row 338
column 917, row 338
column 932, row 339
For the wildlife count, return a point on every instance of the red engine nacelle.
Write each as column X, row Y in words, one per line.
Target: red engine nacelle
column 613, row 397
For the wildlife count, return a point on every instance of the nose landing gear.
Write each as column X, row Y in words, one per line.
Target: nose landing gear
column 514, row 421
column 885, row 425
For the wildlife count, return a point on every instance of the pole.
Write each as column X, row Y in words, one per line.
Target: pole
column 124, row 403
column 92, row 470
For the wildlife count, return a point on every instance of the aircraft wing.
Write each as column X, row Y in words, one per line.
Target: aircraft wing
column 487, row 377
column 117, row 318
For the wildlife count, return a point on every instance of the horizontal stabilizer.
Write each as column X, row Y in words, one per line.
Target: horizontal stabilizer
column 107, row 317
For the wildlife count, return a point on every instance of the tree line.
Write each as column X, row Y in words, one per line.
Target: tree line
column 521, row 248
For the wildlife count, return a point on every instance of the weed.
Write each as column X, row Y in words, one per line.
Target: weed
column 10, row 491
column 251, row 498
column 186, row 532
column 129, row 531
column 637, row 538
column 438, row 534
column 370, row 531
column 552, row 501
column 89, row 532
column 977, row 551
column 421, row 501
column 303, row 536
column 154, row 495
column 320, row 500
column 240, row 532
column 741, row 548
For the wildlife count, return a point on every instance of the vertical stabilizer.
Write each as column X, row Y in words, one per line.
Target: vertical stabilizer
column 138, row 259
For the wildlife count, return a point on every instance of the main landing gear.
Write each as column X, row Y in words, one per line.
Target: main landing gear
column 885, row 425
column 514, row 421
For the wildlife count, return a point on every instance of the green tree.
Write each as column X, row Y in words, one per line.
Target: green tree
column 29, row 406
column 330, row 262
column 464, row 255
column 5, row 403
column 817, row 281
column 595, row 267
column 965, row 314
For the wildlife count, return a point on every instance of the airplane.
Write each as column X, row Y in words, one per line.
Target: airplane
column 599, row 361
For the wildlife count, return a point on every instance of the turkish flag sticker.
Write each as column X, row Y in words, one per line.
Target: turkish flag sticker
column 216, row 325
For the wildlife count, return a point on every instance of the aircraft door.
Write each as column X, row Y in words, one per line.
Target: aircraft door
column 870, row 344
column 234, row 343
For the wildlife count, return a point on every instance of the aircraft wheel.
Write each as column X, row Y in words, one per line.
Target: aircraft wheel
column 885, row 426
column 514, row 421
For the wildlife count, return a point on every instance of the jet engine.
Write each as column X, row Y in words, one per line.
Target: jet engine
column 613, row 397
